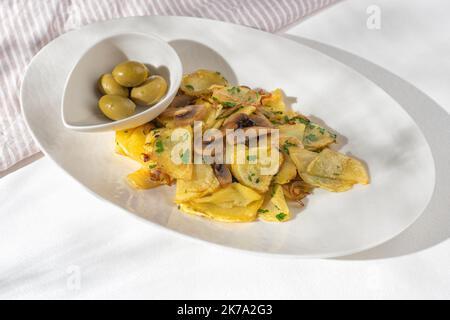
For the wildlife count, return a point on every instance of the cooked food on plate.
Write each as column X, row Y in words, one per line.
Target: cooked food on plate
column 235, row 153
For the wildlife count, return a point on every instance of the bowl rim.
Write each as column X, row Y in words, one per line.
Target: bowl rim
column 170, row 95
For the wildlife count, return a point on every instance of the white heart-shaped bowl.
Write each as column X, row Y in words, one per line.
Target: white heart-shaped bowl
column 79, row 104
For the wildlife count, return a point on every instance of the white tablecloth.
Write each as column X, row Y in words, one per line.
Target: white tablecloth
column 59, row 241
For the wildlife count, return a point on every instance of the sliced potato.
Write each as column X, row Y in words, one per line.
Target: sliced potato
column 296, row 130
column 233, row 96
column 288, row 171
column 334, row 165
column 130, row 142
column 252, row 175
column 234, row 203
column 317, row 138
column 301, row 158
column 274, row 207
column 332, row 185
column 274, row 102
column 248, row 110
column 199, row 82
column 162, row 146
column 202, row 183
column 146, row 178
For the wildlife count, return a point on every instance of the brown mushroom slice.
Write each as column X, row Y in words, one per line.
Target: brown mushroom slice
column 187, row 115
column 238, row 121
column 241, row 120
column 261, row 120
column 181, row 100
column 297, row 190
column 222, row 174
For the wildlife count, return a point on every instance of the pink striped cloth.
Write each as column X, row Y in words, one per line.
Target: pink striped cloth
column 27, row 25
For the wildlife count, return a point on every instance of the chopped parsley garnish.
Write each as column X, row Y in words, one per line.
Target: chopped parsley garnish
column 190, row 87
column 280, row 216
column 263, row 210
column 159, row 146
column 234, row 90
column 257, row 180
column 228, row 104
column 301, row 120
column 152, row 166
column 311, row 137
column 322, row 131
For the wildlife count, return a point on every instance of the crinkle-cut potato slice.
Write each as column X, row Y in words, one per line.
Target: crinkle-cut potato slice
column 203, row 182
column 235, row 95
column 252, row 175
column 234, row 203
column 317, row 138
column 288, row 171
column 145, row 178
column 130, row 142
column 334, row 165
column 199, row 82
column 301, row 158
column 161, row 144
column 333, row 185
column 274, row 207
column 296, row 130
column 274, row 102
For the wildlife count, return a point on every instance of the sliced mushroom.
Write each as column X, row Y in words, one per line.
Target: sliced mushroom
column 187, row 115
column 222, row 174
column 242, row 120
column 238, row 121
column 261, row 120
column 297, row 190
column 181, row 100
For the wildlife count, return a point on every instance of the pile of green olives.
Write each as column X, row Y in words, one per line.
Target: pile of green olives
column 130, row 83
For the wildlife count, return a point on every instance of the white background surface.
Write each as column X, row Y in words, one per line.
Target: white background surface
column 50, row 228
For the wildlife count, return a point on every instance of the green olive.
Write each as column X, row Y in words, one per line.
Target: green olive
column 107, row 85
column 130, row 73
column 150, row 92
column 116, row 107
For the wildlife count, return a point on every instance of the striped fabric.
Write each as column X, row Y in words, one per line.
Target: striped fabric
column 27, row 25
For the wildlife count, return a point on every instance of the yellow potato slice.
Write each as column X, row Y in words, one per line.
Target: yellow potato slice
column 130, row 142
column 145, row 178
column 288, row 171
column 317, row 138
column 332, row 185
column 202, row 183
column 233, row 96
column 296, row 130
column 274, row 102
column 274, row 207
column 234, row 203
column 252, row 175
column 162, row 146
column 199, row 82
column 301, row 158
column 334, row 165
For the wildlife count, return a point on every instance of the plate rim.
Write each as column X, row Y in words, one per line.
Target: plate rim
column 197, row 239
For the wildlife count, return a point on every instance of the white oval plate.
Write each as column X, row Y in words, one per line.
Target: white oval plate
column 371, row 126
